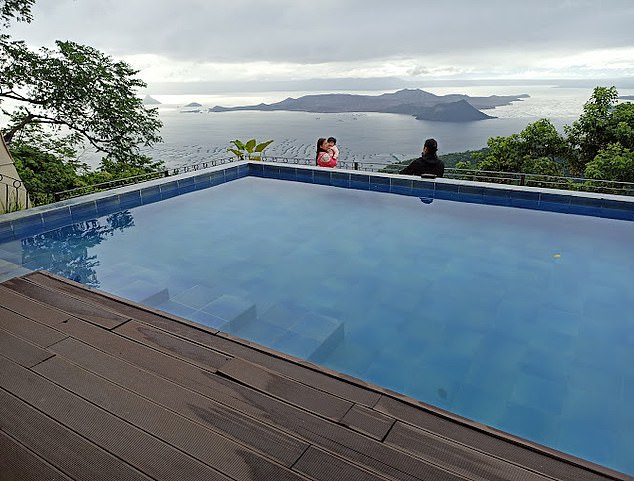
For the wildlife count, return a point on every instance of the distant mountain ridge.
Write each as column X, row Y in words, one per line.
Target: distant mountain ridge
column 419, row 103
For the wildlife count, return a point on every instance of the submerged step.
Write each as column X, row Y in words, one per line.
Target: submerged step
column 293, row 330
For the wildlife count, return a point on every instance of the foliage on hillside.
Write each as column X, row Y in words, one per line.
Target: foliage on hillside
column 71, row 96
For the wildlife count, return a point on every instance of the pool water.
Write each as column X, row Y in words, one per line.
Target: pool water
column 519, row 319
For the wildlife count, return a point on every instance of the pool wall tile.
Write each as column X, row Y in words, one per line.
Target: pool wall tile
column 272, row 171
column 150, row 194
column 288, row 173
column 322, row 177
column 447, row 191
column 56, row 218
column 401, row 186
column 217, row 178
column 188, row 184
column 169, row 189
column 107, row 205
column 340, row 179
column 305, row 175
column 471, row 193
column 27, row 226
column 380, row 184
column 496, row 197
column 129, row 200
column 83, row 211
column 423, row 188
column 360, row 181
column 256, row 169
column 231, row 173
column 6, row 231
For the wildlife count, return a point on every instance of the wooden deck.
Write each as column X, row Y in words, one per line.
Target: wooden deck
column 93, row 387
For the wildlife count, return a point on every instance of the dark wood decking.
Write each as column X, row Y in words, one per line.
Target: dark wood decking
column 93, row 387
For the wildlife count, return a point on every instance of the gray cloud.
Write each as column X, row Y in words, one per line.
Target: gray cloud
column 310, row 32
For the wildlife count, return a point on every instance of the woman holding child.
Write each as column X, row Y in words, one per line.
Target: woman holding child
column 325, row 157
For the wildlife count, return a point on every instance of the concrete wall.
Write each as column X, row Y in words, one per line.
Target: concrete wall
column 13, row 194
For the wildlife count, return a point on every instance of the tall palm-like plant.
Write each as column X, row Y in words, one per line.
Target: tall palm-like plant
column 250, row 150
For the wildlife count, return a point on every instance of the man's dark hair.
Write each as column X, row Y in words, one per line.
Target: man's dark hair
column 432, row 145
column 332, row 139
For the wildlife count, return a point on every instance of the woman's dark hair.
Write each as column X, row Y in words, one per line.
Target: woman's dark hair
column 432, row 146
column 320, row 141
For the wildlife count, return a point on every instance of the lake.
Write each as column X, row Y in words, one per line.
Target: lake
column 191, row 138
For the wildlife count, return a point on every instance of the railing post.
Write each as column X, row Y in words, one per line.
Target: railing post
column 523, row 179
column 356, row 166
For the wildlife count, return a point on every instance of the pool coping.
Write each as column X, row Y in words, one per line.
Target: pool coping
column 17, row 225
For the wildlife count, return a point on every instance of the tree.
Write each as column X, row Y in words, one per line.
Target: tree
column 591, row 133
column 613, row 162
column 19, row 10
column 535, row 150
column 75, row 89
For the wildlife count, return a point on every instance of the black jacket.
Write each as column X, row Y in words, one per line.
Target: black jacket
column 426, row 164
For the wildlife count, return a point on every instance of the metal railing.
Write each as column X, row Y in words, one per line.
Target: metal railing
column 137, row 179
column 509, row 178
column 13, row 195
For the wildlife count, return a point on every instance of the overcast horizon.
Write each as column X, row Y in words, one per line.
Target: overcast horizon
column 400, row 43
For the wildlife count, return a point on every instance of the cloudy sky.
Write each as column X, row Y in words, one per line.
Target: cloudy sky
column 229, row 40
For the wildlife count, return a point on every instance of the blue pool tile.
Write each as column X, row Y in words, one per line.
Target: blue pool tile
column 401, row 186
column 202, row 181
column 360, row 181
column 150, row 194
column 616, row 214
column 496, row 197
column 447, row 192
column 271, row 171
column 322, row 177
column 243, row 170
column 27, row 226
column 305, row 175
column 288, row 173
column 340, row 179
column 232, row 173
column 108, row 205
column 169, row 189
column 423, row 188
column 380, row 184
column 207, row 319
column 131, row 199
column 187, row 184
column 197, row 297
column 528, row 422
column 470, row 193
column 54, row 219
column 83, row 211
column 256, row 169
column 585, row 210
column 6, row 231
column 217, row 178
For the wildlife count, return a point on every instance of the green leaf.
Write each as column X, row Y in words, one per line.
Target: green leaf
column 237, row 153
column 263, row 145
column 250, row 145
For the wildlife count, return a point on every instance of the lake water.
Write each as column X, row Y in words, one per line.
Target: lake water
column 197, row 137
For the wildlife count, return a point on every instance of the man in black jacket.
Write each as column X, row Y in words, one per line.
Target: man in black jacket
column 427, row 163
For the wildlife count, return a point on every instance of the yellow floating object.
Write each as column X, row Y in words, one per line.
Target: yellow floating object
column 556, row 256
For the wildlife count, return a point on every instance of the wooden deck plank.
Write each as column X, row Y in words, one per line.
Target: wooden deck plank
column 303, row 396
column 343, row 386
column 268, row 440
column 178, row 431
column 19, row 464
column 308, row 426
column 368, row 421
column 73, row 306
column 20, row 326
column 22, row 352
column 146, row 453
column 172, row 345
column 27, row 307
column 323, row 466
column 467, row 461
column 64, row 449
column 557, row 467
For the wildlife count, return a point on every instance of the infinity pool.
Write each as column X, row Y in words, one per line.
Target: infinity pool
column 519, row 319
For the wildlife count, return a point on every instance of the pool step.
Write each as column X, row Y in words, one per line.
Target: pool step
column 290, row 329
